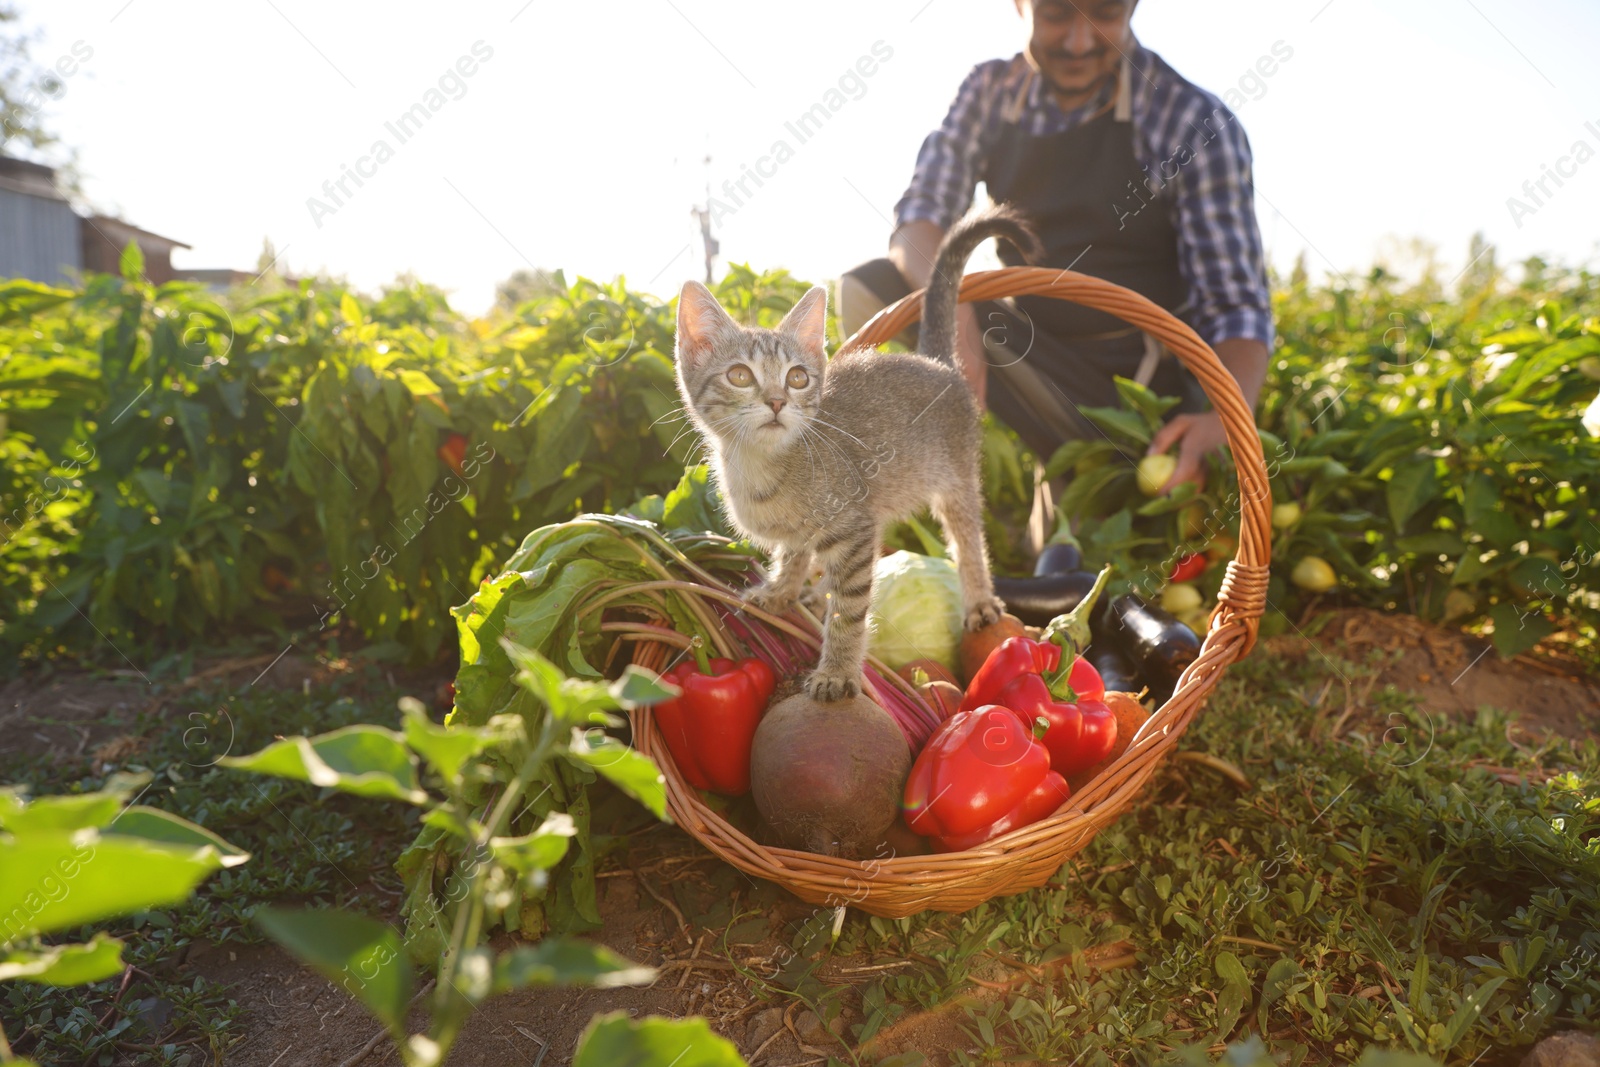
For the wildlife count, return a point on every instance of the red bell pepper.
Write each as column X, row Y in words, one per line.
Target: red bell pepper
column 980, row 774
column 1051, row 792
column 710, row 726
column 1187, row 568
column 1047, row 678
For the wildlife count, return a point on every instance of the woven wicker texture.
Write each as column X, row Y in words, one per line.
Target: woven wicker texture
column 1025, row 858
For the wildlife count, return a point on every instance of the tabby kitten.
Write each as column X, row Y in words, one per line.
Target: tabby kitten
column 815, row 457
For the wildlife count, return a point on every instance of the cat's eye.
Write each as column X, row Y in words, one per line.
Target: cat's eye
column 740, row 375
column 798, row 378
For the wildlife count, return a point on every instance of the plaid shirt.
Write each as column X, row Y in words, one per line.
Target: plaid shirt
column 1199, row 169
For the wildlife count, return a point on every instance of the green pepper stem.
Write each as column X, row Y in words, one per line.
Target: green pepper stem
column 1062, row 535
column 1057, row 683
column 919, row 677
column 1041, row 726
column 1071, row 631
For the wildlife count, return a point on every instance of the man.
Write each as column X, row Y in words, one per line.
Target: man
column 1131, row 174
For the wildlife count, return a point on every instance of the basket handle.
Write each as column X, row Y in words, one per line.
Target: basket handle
column 1243, row 597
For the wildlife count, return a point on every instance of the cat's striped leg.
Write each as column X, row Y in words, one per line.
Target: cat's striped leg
column 847, row 554
column 782, row 588
column 960, row 512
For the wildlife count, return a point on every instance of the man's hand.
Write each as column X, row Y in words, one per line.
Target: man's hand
column 1198, row 435
column 1195, row 436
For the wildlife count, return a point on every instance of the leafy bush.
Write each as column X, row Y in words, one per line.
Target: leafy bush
column 1433, row 449
column 171, row 467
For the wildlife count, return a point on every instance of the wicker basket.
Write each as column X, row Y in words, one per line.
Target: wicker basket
column 1025, row 858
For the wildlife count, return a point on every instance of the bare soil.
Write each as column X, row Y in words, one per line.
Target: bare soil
column 1454, row 673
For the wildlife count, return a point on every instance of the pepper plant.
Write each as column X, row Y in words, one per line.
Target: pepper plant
column 563, row 720
column 70, row 860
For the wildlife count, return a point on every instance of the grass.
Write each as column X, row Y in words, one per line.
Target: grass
column 1412, row 883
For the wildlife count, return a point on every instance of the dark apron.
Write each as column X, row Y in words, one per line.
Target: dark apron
column 1086, row 194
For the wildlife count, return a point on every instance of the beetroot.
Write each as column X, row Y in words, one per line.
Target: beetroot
column 827, row 777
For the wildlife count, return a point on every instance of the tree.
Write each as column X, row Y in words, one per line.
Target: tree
column 25, row 89
column 526, row 285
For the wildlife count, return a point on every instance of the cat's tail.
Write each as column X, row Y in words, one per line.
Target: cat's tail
column 939, row 302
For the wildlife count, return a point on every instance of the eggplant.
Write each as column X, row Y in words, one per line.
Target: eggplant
column 1037, row 600
column 1159, row 646
column 1115, row 669
column 1058, row 558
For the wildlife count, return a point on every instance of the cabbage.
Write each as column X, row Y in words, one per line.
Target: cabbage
column 916, row 611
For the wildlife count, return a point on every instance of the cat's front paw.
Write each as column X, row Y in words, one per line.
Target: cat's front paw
column 985, row 613
column 769, row 599
column 826, row 686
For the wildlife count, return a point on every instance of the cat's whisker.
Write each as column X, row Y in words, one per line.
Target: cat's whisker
column 847, row 433
column 675, row 413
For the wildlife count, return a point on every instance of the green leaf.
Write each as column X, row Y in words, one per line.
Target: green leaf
column 1517, row 630
column 366, row 760
column 1176, row 500
column 1119, row 423
column 64, row 965
column 1229, row 969
column 628, row 769
column 1283, row 978
column 58, row 880
column 131, row 263
column 558, row 961
column 1463, row 1017
column 540, row 850
column 20, row 816
column 692, row 505
column 446, row 747
column 419, row 383
column 350, row 309
column 639, row 688
column 153, row 824
column 1413, row 485
column 1151, row 408
column 615, row 1040
column 364, row 956
column 1479, row 497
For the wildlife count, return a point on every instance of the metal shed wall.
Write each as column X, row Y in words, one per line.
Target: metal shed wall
column 39, row 238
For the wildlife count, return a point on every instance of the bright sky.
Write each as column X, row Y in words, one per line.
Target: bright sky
column 578, row 140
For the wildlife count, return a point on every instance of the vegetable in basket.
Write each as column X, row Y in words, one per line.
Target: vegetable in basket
column 916, row 611
column 1047, row 679
column 976, row 645
column 710, row 727
column 827, row 777
column 1159, row 645
column 1116, row 673
column 983, row 773
column 1039, row 599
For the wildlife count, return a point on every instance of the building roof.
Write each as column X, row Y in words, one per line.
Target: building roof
column 32, row 179
column 112, row 228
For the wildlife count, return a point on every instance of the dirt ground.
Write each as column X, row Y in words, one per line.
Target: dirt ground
column 1454, row 674
column 296, row 1017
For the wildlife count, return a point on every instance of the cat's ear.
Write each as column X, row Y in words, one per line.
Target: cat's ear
column 701, row 324
column 807, row 323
